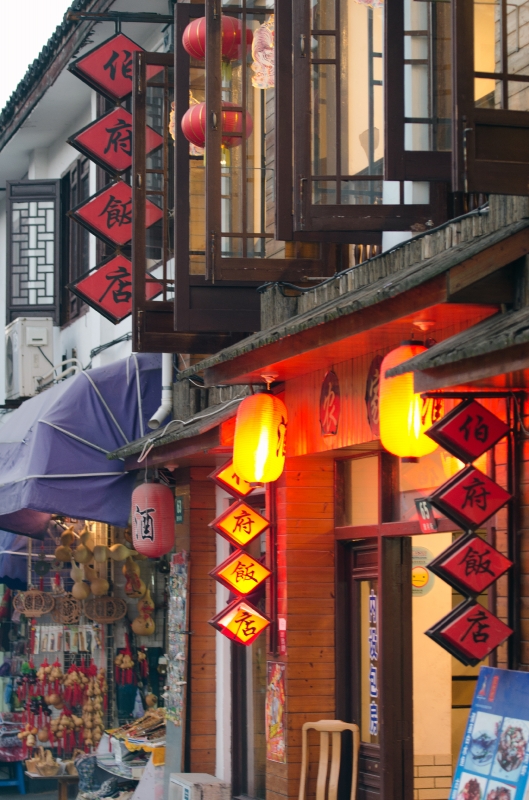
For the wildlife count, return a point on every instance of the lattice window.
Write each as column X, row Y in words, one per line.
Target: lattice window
column 33, row 219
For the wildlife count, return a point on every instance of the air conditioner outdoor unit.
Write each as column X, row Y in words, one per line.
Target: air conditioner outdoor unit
column 197, row 786
column 29, row 353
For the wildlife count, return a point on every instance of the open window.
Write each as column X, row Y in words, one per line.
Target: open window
column 418, row 96
column 491, row 96
column 340, row 128
column 153, row 251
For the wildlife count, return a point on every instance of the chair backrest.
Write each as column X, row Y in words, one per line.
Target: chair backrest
column 336, row 728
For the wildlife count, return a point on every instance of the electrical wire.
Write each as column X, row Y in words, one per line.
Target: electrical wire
column 525, row 431
column 102, row 347
column 45, row 356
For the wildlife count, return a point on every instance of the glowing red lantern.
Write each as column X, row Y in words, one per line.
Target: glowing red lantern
column 194, row 125
column 259, row 445
column 153, row 531
column 194, row 38
column 404, row 415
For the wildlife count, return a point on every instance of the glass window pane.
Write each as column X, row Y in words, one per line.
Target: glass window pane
column 487, row 93
column 369, row 678
column 487, row 30
column 324, row 193
column 323, row 46
column 361, row 491
column 517, row 39
column 323, row 87
column 322, row 15
column 518, row 93
column 361, row 193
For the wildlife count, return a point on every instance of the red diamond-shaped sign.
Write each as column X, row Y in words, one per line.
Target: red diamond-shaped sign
column 469, row 498
column 240, row 524
column 470, row 632
column 241, row 622
column 226, row 477
column 108, row 288
column 468, row 431
column 470, row 565
column 108, row 214
column 108, row 140
column 108, row 67
column 241, row 573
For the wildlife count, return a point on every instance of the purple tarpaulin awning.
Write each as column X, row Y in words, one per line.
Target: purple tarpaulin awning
column 53, row 448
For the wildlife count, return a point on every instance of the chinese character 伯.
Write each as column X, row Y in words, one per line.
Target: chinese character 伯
column 373, row 719
column 480, row 432
column 246, row 624
column 372, row 606
column 120, row 281
column 120, row 137
column 476, row 563
column 126, row 65
column 118, row 212
column 373, row 642
column 476, row 494
column 373, row 683
column 146, row 522
column 477, row 627
column 244, row 572
column 243, row 522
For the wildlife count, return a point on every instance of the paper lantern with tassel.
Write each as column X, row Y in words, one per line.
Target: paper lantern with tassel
column 153, row 531
column 259, row 445
column 404, row 415
column 194, row 125
column 194, row 38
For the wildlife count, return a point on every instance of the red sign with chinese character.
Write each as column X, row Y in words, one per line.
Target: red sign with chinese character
column 241, row 622
column 330, row 405
column 427, row 521
column 470, row 632
column 372, row 396
column 470, row 565
column 108, row 140
column 226, row 477
column 241, row 573
column 108, row 67
column 468, row 431
column 240, row 524
column 108, row 288
column 108, row 214
column 469, row 498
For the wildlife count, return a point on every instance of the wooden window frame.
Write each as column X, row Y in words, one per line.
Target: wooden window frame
column 337, row 219
column 153, row 320
column 22, row 191
column 218, row 268
column 488, row 128
column 399, row 163
column 72, row 239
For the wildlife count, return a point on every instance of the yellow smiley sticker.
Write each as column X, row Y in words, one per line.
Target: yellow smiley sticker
column 419, row 577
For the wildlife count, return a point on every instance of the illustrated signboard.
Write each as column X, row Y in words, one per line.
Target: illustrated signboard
column 275, row 712
column 494, row 760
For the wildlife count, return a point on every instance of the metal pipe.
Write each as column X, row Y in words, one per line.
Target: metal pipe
column 166, row 406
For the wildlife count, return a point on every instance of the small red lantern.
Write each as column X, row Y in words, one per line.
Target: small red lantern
column 194, row 38
column 194, row 125
column 153, row 532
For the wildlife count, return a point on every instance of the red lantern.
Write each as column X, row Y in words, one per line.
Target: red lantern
column 194, row 38
column 153, row 531
column 194, row 125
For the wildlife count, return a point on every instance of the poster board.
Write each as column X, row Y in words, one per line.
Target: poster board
column 275, row 712
column 494, row 760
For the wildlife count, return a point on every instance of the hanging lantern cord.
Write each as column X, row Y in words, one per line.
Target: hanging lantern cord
column 269, row 379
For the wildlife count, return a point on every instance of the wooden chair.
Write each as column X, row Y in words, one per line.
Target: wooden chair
column 325, row 727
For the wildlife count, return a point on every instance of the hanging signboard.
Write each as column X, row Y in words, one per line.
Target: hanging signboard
column 108, row 67
column 240, row 524
column 330, row 405
column 241, row 622
column 108, row 141
column 469, row 498
column 226, row 477
column 275, row 712
column 241, row 573
column 468, row 431
column 470, row 565
column 493, row 763
column 470, row 632
column 372, row 396
column 108, row 288
column 427, row 521
column 108, row 214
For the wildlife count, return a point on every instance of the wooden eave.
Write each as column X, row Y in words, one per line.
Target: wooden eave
column 364, row 319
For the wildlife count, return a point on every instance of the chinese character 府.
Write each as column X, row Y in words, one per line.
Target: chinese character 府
column 476, row 494
column 120, row 137
column 244, row 522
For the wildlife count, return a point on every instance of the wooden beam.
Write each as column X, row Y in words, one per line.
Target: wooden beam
column 465, row 371
column 493, row 258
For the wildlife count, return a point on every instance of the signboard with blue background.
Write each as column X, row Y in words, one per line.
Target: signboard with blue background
column 494, row 759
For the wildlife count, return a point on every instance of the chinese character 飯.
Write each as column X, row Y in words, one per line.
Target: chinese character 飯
column 120, row 280
column 475, row 494
column 244, row 572
column 118, row 212
column 476, row 563
column 120, row 137
column 477, row 627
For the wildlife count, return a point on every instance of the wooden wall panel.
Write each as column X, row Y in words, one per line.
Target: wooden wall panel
column 305, row 528
column 202, row 608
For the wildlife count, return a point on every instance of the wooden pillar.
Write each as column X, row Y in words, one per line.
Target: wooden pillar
column 305, row 537
column 202, row 547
